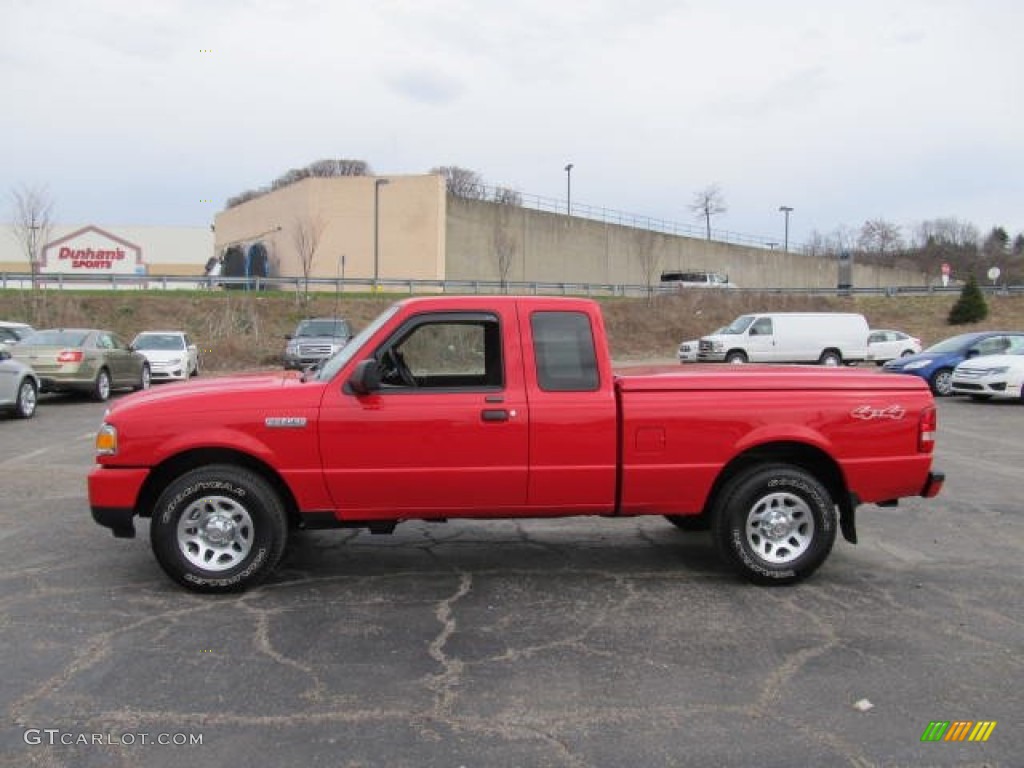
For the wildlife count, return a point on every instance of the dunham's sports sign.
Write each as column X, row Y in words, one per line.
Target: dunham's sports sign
column 92, row 251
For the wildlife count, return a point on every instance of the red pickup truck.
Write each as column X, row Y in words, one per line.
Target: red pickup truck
column 497, row 407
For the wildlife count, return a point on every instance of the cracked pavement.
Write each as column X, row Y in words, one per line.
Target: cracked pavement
column 575, row 642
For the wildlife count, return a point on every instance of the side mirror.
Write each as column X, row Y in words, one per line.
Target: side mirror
column 5, row 354
column 366, row 377
column 288, row 336
column 972, row 353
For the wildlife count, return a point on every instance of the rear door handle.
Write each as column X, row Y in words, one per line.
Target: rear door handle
column 494, row 414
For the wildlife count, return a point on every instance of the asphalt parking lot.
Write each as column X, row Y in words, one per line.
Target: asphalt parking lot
column 571, row 643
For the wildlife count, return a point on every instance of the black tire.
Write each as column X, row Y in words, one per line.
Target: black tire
column 26, row 400
column 786, row 498
column 195, row 371
column 942, row 382
column 690, row 523
column 736, row 357
column 830, row 358
column 145, row 379
column 101, row 387
column 219, row 528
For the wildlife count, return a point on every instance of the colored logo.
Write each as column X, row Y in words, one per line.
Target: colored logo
column 958, row 730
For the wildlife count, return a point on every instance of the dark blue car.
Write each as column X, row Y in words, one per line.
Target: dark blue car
column 935, row 364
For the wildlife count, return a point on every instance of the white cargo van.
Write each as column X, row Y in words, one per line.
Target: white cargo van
column 827, row 338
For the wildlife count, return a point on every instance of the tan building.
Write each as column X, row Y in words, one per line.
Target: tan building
column 407, row 228
column 91, row 250
column 353, row 226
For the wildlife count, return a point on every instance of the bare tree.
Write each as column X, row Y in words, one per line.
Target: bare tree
column 331, row 168
column 880, row 237
column 506, row 196
column 32, row 220
column 306, row 235
column 708, row 202
column 461, row 182
column 649, row 256
column 504, row 244
column 320, row 169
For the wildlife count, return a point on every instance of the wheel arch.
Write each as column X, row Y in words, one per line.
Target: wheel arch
column 177, row 465
column 808, row 457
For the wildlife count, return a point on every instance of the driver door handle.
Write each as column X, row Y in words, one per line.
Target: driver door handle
column 495, row 414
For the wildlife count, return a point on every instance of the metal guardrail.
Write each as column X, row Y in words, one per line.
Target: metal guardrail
column 326, row 285
column 622, row 218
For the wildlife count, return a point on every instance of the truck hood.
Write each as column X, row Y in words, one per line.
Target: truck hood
column 759, row 377
column 225, row 393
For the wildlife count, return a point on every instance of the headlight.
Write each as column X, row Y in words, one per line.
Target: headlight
column 106, row 440
column 995, row 371
column 175, row 361
column 917, row 364
column 292, row 347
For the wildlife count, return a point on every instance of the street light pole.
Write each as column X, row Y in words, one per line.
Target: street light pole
column 377, row 184
column 568, row 189
column 786, row 210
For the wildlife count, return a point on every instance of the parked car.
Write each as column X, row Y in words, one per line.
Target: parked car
column 687, row 351
column 171, row 354
column 19, row 386
column 888, row 345
column 998, row 376
column 315, row 339
column 83, row 360
column 12, row 333
column 935, row 364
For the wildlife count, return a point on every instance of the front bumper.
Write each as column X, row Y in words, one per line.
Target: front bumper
column 113, row 497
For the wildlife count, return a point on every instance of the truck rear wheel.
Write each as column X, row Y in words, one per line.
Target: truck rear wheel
column 774, row 523
column 220, row 528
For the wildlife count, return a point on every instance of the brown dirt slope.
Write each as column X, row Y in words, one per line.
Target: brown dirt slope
column 245, row 330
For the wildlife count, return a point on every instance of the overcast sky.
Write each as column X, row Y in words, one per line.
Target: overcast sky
column 902, row 109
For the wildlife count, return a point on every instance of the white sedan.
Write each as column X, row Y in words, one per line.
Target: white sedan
column 990, row 376
column 171, row 354
column 888, row 345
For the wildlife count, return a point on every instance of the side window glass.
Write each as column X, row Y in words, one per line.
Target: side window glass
column 762, row 327
column 449, row 353
column 563, row 345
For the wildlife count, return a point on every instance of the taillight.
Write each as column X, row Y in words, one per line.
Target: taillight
column 927, row 426
column 70, row 356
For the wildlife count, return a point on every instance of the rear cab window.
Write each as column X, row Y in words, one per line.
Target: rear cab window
column 563, row 347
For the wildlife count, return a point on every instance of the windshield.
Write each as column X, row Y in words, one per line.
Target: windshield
column 322, row 328
column 55, row 339
column 331, row 367
column 954, row 344
column 159, row 341
column 739, row 325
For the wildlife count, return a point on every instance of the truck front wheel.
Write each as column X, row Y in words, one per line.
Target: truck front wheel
column 774, row 523
column 220, row 528
column 736, row 357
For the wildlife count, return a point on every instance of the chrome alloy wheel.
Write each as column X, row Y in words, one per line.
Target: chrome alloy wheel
column 215, row 533
column 780, row 528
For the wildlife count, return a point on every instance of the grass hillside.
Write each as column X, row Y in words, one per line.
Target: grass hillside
column 246, row 330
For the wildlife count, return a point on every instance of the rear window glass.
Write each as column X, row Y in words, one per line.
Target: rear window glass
column 563, row 344
column 56, row 339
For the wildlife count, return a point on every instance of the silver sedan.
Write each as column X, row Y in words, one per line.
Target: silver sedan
column 19, row 386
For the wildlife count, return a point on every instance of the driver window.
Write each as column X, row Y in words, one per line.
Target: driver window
column 762, row 327
column 449, row 353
